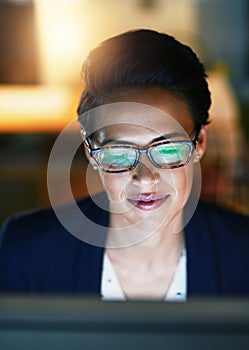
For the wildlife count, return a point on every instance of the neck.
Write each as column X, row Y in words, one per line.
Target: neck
column 134, row 244
column 127, row 231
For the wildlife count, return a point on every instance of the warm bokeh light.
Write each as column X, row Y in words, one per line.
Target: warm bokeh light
column 65, row 32
column 68, row 29
column 36, row 108
column 61, row 40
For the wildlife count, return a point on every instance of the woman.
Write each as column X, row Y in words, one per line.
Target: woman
column 143, row 114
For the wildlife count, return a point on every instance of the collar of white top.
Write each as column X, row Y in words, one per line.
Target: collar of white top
column 111, row 288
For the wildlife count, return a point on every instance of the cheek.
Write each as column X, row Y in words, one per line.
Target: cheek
column 114, row 185
column 179, row 182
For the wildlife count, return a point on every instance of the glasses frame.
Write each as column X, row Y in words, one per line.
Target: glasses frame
column 192, row 144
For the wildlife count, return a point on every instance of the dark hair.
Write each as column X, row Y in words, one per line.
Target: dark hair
column 145, row 58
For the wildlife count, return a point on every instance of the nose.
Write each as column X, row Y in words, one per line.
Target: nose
column 145, row 172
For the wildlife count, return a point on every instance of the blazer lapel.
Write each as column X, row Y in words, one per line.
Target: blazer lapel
column 90, row 256
column 202, row 267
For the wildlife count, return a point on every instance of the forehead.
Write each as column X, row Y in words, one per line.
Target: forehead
column 134, row 121
column 132, row 132
column 162, row 100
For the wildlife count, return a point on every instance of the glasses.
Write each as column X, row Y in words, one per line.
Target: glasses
column 164, row 154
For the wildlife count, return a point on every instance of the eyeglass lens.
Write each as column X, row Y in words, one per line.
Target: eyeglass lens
column 166, row 155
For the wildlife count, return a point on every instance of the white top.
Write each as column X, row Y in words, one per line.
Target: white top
column 112, row 290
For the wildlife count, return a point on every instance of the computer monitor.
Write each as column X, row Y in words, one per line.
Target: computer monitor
column 77, row 323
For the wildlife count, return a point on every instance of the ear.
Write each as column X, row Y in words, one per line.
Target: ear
column 87, row 153
column 83, row 135
column 88, row 156
column 202, row 142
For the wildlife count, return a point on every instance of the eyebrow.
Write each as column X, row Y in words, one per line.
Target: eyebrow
column 157, row 139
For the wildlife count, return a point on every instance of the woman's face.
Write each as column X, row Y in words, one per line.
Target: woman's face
column 147, row 195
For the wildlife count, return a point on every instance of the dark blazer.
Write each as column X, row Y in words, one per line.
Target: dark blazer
column 37, row 254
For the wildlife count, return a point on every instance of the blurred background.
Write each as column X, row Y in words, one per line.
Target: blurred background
column 42, row 46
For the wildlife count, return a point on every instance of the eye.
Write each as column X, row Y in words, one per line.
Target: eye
column 170, row 153
column 116, row 157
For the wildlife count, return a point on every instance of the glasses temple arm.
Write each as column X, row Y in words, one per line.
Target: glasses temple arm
column 195, row 140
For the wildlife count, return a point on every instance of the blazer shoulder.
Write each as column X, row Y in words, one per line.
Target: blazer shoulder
column 223, row 221
column 221, row 212
column 32, row 223
column 37, row 253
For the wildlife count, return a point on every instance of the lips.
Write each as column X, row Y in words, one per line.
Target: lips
column 148, row 201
